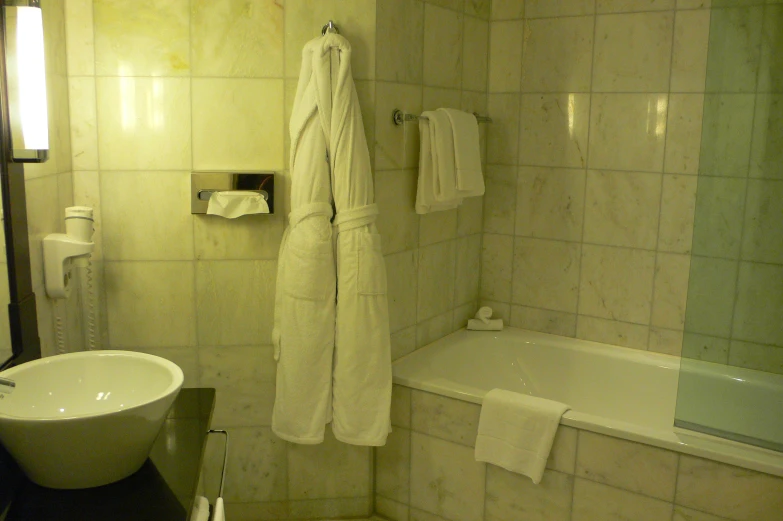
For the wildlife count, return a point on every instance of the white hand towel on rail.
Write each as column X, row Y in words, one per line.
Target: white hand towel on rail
column 467, row 152
column 436, row 156
column 516, row 431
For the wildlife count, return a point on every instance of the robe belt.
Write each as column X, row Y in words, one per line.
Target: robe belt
column 308, row 210
column 355, row 218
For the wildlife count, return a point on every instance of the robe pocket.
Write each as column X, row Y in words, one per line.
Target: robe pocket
column 309, row 274
column 372, row 268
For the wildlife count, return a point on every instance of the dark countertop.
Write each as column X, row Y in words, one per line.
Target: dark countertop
column 162, row 490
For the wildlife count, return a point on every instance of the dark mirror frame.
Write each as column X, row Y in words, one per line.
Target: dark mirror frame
column 25, row 342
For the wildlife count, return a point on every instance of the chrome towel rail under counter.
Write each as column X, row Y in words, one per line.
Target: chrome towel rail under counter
column 400, row 118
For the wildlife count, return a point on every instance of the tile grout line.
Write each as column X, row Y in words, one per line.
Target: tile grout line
column 587, row 170
column 656, row 269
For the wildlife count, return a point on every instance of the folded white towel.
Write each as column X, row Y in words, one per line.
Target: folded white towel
column 467, row 152
column 475, row 324
column 484, row 314
column 516, row 431
column 432, row 161
column 200, row 509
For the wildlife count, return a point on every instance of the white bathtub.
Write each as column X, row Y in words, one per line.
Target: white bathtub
column 611, row 390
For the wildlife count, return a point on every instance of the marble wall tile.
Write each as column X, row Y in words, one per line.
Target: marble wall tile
column 770, row 76
column 706, row 348
column 468, row 270
column 612, row 332
column 513, row 496
column 480, row 8
column 330, row 470
column 403, row 268
column 87, row 192
column 756, row 356
column 497, row 253
column 84, row 123
column 622, row 208
column 621, row 6
column 627, row 131
column 224, row 290
column 244, row 377
column 762, row 239
column 437, row 268
column 185, row 357
column 616, row 283
column 142, row 37
column 632, row 466
column 550, row 203
column 683, row 136
column 401, row 406
column 437, row 227
column 462, row 314
column 396, row 146
column 717, row 232
column 507, row 9
column 554, row 129
column 735, row 49
column 403, row 342
column 257, row 511
column 80, row 37
column 393, row 510
column 251, row 237
column 445, row 418
column 633, row 52
column 232, row 39
column 144, row 123
column 503, row 133
column 505, row 56
column 400, row 43
column 562, row 458
column 446, row 479
column 711, row 296
column 671, row 290
column 475, row 51
column 430, row 330
column 689, row 57
column 546, row 274
column 546, row 8
column 398, row 223
column 392, row 466
column 237, row 124
column 355, row 507
column 443, row 40
column 739, row 494
column 694, row 4
column 159, row 295
column 256, row 466
column 470, row 216
column 554, row 63
column 766, row 155
column 421, row 515
column 688, row 514
column 500, row 198
column 597, row 502
column 759, row 303
column 543, row 320
column 726, row 134
column 665, row 341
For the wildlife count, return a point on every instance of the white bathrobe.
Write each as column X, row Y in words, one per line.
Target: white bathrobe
column 334, row 361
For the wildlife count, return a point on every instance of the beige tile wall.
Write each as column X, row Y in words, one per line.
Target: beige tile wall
column 427, row 472
column 593, row 157
column 159, row 89
column 49, row 189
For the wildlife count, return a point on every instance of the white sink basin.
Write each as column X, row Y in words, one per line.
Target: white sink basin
column 86, row 419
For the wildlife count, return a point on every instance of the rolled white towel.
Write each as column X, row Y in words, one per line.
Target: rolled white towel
column 484, row 314
column 491, row 325
column 200, row 509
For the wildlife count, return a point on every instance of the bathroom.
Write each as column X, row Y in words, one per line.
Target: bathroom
column 632, row 172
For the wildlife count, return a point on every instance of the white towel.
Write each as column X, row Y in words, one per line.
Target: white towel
column 484, row 314
column 475, row 324
column 467, row 152
column 437, row 154
column 516, row 431
column 200, row 509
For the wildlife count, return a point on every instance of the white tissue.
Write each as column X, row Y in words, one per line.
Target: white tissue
column 200, row 509
column 236, row 203
column 484, row 314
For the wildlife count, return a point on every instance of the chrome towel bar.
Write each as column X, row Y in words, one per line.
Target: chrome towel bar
column 400, row 118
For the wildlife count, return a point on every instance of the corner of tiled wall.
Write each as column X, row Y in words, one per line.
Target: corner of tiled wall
column 593, row 159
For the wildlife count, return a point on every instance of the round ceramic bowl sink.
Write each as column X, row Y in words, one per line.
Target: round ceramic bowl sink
column 87, row 419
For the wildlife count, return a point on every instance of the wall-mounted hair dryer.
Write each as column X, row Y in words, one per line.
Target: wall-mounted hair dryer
column 62, row 251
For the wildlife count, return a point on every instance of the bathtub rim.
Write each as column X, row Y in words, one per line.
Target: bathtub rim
column 677, row 439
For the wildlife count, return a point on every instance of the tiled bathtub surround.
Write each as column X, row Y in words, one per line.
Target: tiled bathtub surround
column 592, row 167
column 427, row 472
column 160, row 89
